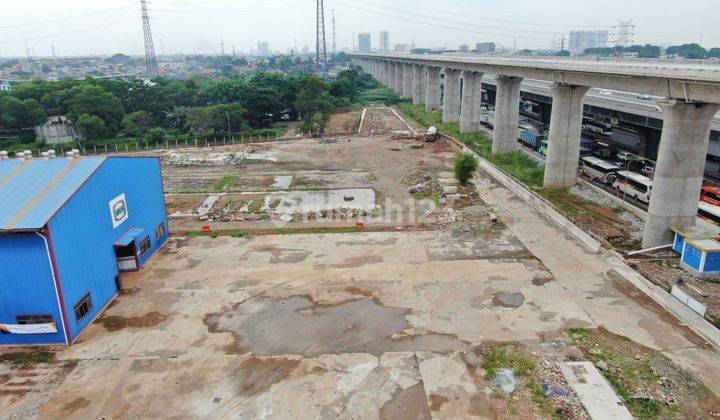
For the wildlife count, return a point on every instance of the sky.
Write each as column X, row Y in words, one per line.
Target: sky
column 84, row 27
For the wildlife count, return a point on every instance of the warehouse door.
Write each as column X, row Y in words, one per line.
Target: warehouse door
column 126, row 257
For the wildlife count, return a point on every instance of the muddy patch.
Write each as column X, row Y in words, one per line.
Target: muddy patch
column 256, row 375
column 283, row 255
column 116, row 323
column 297, row 325
column 75, row 405
column 409, row 403
column 508, row 300
column 436, row 401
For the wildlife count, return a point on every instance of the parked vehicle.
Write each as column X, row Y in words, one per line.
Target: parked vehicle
column 643, row 96
column 598, row 170
column 596, row 128
column 710, row 195
column 625, row 156
column 543, row 148
column 432, row 134
column 709, row 211
column 531, row 137
column 633, row 185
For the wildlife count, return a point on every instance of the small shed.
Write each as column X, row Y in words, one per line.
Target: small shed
column 68, row 228
column 696, row 232
column 701, row 257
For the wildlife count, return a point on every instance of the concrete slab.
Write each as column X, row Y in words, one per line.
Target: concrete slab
column 595, row 393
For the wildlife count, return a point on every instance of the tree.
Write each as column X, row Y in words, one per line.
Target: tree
column 563, row 53
column 16, row 114
column 714, row 52
column 177, row 117
column 155, row 135
column 94, row 100
column 92, row 127
column 692, row 51
column 137, row 123
column 313, row 97
column 465, row 167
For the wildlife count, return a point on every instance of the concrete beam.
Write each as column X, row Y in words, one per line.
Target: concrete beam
column 471, row 102
column 418, row 84
column 408, row 74
column 507, row 107
column 432, row 89
column 451, row 98
column 679, row 170
column 564, row 139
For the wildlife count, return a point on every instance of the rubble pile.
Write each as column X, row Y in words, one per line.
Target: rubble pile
column 420, row 181
column 229, row 156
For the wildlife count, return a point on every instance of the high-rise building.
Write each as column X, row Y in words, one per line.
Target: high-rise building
column 485, row 47
column 582, row 40
column 263, row 49
column 385, row 41
column 364, row 44
column 403, row 48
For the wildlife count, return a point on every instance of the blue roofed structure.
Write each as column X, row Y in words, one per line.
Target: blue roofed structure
column 68, row 228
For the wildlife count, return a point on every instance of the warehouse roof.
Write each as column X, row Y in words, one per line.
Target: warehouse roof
column 32, row 190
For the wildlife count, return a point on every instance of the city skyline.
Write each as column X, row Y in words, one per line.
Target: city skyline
column 84, row 28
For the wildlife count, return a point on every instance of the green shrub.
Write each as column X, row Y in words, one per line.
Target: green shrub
column 465, row 167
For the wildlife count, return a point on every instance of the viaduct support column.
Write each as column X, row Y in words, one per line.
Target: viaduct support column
column 399, row 78
column 432, row 89
column 392, row 69
column 679, row 169
column 471, row 98
column 507, row 108
column 385, row 66
column 564, row 139
column 418, row 84
column 451, row 102
column 408, row 81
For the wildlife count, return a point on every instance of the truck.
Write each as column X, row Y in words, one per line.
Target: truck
column 432, row 134
column 531, row 137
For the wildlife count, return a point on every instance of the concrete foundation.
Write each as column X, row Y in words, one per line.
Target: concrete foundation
column 564, row 139
column 471, row 101
column 432, row 89
column 418, row 85
column 451, row 99
column 679, row 170
column 408, row 77
column 507, row 108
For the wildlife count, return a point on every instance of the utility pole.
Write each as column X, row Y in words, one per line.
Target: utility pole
column 335, row 39
column 52, row 47
column 151, row 65
column 562, row 43
column 227, row 114
column 320, row 43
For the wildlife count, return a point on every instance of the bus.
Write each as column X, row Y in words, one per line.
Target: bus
column 598, row 169
column 710, row 195
column 709, row 212
column 633, row 185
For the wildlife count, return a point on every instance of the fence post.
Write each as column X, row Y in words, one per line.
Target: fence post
column 167, row 145
column 137, row 147
column 106, row 148
column 95, row 149
column 127, row 148
column 115, row 147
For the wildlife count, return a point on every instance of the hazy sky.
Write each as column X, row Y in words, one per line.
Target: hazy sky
column 79, row 27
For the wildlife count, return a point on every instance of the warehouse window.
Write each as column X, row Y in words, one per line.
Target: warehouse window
column 160, row 231
column 34, row 319
column 83, row 307
column 145, row 245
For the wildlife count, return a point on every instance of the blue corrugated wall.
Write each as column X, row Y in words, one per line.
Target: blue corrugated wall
column 83, row 234
column 26, row 287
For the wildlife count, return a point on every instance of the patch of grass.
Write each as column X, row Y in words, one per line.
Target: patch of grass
column 584, row 332
column 214, row 234
column 255, row 206
column 225, row 182
column 499, row 357
column 33, row 359
column 434, row 198
column 274, row 203
column 378, row 95
column 318, row 230
column 516, row 163
column 370, row 178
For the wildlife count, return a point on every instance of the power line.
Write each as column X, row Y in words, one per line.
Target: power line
column 406, row 19
column 63, row 19
column 234, row 17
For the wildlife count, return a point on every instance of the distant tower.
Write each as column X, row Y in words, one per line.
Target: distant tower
column 624, row 33
column 162, row 47
column 222, row 47
column 52, row 47
column 334, row 48
column 320, row 44
column 27, row 50
column 151, row 64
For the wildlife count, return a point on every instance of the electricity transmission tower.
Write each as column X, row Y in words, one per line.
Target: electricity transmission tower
column 625, row 31
column 151, row 64
column 320, row 44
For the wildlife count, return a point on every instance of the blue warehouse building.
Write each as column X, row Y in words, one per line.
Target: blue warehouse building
column 68, row 228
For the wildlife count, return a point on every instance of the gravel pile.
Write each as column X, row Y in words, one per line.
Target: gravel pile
column 591, row 195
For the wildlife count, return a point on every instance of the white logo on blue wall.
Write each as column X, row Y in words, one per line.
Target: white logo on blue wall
column 118, row 210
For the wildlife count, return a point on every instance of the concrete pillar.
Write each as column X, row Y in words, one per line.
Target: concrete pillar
column 392, row 69
column 385, row 70
column 409, row 72
column 432, row 89
column 471, row 101
column 451, row 101
column 399, row 78
column 679, row 170
column 418, row 84
column 507, row 108
column 564, row 139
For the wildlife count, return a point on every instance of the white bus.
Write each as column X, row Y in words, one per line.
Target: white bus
column 633, row 185
column 598, row 169
column 709, row 212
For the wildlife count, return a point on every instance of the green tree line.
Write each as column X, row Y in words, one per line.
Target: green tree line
column 105, row 108
column 692, row 51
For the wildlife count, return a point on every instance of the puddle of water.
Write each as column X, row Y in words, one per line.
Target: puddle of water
column 316, row 201
column 297, row 325
column 282, row 181
column 509, row 300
